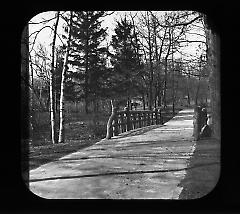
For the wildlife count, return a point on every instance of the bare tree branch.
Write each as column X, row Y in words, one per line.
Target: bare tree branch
column 108, row 14
column 177, row 24
column 37, row 32
column 189, row 41
column 44, row 20
column 41, row 22
column 196, row 34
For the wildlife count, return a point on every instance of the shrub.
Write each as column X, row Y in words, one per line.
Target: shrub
column 97, row 130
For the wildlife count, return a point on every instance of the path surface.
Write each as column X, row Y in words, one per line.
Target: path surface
column 147, row 163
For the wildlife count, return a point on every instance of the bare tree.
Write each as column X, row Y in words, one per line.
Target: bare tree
column 213, row 63
column 61, row 137
column 51, row 85
column 24, row 84
column 146, row 33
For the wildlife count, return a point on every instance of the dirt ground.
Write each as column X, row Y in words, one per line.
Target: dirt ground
column 204, row 170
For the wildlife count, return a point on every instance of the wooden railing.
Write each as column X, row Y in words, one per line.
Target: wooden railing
column 126, row 120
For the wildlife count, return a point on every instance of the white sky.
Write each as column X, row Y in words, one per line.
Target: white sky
column 45, row 37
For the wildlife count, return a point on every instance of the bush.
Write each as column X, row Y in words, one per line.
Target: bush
column 98, row 130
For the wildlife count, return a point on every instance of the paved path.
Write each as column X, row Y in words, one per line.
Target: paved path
column 147, row 163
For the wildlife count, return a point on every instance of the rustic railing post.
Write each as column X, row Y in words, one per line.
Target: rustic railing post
column 109, row 124
column 115, row 124
column 148, row 118
column 156, row 116
column 134, row 120
column 151, row 117
column 139, row 120
column 160, row 116
column 131, row 119
column 144, row 119
column 127, row 113
column 122, row 123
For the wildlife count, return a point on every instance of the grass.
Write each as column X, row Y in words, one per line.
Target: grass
column 80, row 132
column 78, row 126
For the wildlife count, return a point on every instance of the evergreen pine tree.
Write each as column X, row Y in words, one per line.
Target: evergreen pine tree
column 125, row 60
column 87, row 55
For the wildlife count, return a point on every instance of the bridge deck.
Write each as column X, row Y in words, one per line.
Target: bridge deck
column 145, row 163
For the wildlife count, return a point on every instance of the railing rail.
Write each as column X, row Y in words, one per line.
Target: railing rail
column 126, row 120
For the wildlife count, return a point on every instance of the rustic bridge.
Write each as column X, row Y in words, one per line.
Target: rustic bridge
column 126, row 120
column 147, row 162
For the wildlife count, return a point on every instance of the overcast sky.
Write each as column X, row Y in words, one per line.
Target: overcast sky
column 45, row 37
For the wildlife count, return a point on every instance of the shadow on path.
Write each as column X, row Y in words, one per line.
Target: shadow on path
column 199, row 182
column 122, row 173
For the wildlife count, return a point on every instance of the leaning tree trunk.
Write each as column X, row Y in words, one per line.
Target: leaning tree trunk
column 51, row 86
column 61, row 137
column 213, row 57
column 114, row 108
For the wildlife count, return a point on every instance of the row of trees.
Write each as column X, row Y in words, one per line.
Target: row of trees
column 139, row 61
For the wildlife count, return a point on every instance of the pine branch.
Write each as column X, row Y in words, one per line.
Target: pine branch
column 41, row 22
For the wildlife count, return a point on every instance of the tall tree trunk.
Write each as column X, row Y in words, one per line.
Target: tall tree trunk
column 198, row 86
column 150, row 48
column 95, row 111
column 110, row 120
column 55, row 85
column 143, row 100
column 32, row 91
column 87, row 72
column 155, row 100
column 196, row 96
column 150, row 83
column 159, row 99
column 213, row 59
column 51, row 86
column 25, row 105
column 173, row 94
column 61, row 137
column 173, row 79
column 165, row 71
column 129, row 103
column 188, row 92
column 165, row 86
column 32, row 94
column 150, row 101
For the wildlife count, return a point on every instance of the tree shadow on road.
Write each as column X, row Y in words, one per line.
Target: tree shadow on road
column 198, row 182
column 120, row 173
